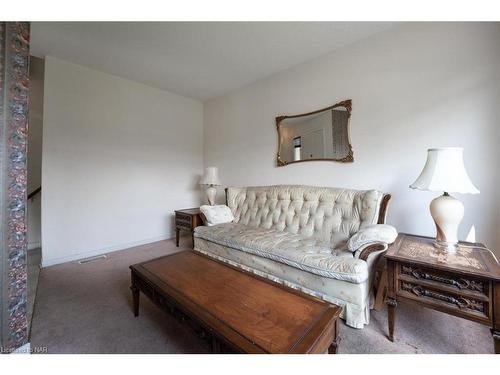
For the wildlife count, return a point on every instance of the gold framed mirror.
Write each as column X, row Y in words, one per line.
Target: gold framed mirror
column 319, row 135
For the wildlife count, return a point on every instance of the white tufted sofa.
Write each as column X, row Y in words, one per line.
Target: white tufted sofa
column 297, row 236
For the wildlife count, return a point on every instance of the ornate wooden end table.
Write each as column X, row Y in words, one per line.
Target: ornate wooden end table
column 464, row 284
column 187, row 220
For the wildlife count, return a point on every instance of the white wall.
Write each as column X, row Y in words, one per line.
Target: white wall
column 35, row 151
column 118, row 158
column 418, row 86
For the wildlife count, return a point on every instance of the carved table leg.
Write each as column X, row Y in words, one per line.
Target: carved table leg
column 496, row 317
column 215, row 345
column 391, row 298
column 135, row 298
column 391, row 316
column 177, row 237
column 496, row 340
column 334, row 347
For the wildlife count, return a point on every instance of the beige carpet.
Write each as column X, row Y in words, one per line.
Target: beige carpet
column 87, row 309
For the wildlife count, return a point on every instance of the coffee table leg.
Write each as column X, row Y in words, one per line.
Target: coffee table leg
column 135, row 298
column 215, row 345
column 334, row 346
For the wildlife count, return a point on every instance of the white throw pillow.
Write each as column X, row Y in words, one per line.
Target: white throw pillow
column 372, row 233
column 214, row 215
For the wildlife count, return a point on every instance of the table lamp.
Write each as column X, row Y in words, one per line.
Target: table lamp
column 444, row 171
column 210, row 179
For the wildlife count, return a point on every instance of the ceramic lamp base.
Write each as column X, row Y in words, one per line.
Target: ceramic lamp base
column 211, row 195
column 447, row 213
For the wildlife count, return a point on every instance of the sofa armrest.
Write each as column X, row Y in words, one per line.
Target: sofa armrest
column 370, row 250
column 371, row 254
column 376, row 233
column 372, row 240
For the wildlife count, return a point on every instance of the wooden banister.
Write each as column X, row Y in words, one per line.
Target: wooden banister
column 34, row 192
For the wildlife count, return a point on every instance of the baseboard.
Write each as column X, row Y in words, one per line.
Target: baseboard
column 74, row 257
column 34, row 245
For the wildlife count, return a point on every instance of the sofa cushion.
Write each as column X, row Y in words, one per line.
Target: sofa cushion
column 331, row 214
column 218, row 214
column 307, row 253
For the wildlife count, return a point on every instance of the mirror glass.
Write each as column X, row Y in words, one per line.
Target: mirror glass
column 318, row 135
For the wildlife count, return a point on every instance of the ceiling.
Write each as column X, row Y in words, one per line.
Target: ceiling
column 196, row 59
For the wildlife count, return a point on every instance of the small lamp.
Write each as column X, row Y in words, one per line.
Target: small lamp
column 444, row 171
column 210, row 179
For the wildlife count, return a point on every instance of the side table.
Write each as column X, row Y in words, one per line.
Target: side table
column 187, row 220
column 464, row 284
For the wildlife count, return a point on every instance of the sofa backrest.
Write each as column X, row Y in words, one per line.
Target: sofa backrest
column 331, row 214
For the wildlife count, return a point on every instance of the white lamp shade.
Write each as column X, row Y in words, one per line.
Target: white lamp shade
column 444, row 171
column 211, row 177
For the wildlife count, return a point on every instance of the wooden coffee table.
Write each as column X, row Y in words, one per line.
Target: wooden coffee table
column 235, row 309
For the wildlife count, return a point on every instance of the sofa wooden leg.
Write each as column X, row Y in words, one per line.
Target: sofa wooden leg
column 381, row 291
